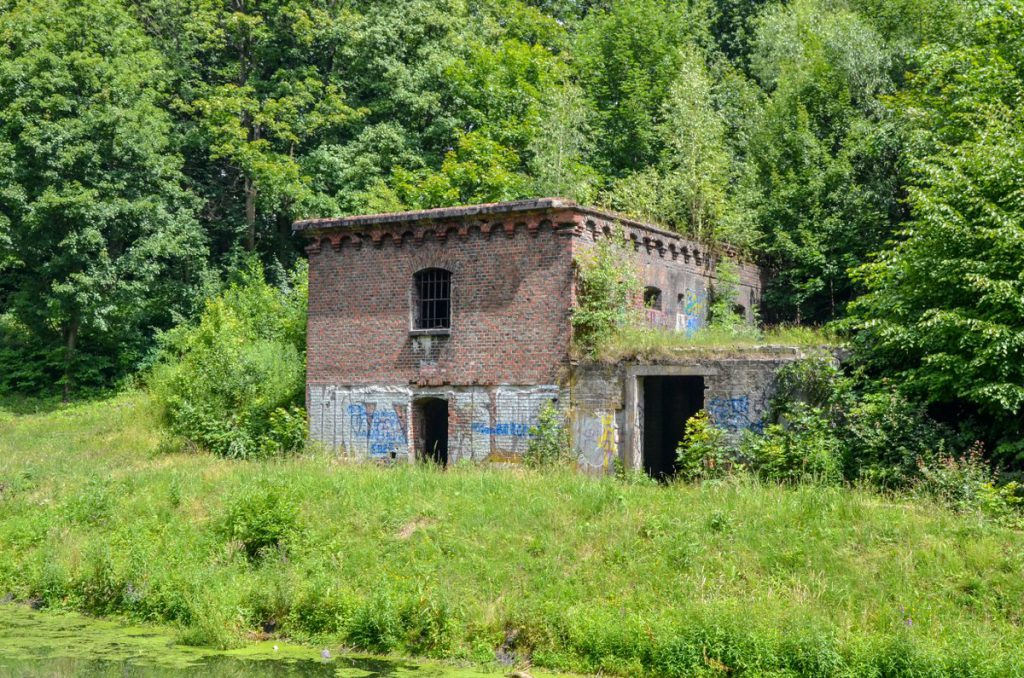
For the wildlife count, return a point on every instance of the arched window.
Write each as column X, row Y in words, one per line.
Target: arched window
column 432, row 299
column 652, row 298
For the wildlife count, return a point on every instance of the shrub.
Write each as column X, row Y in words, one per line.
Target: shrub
column 376, row 625
column 722, row 312
column 816, row 381
column 881, row 437
column 889, row 439
column 320, row 609
column 549, row 443
column 607, row 287
column 430, row 626
column 234, row 382
column 261, row 521
column 703, row 453
column 99, row 588
column 968, row 483
column 805, row 449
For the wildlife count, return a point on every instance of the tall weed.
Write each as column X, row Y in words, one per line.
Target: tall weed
column 549, row 444
column 607, row 289
column 262, row 520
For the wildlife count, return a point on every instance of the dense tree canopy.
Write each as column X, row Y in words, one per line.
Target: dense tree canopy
column 944, row 312
column 100, row 240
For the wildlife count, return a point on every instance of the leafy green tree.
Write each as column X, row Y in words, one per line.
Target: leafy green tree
column 827, row 155
column 501, row 87
column 697, row 185
column 433, row 82
column 628, row 56
column 257, row 87
column 695, row 152
column 733, row 26
column 561, row 146
column 98, row 240
column 944, row 311
column 479, row 170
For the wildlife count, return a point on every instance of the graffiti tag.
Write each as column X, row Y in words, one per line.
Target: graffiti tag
column 382, row 429
column 692, row 317
column 503, row 429
column 607, row 442
column 732, row 414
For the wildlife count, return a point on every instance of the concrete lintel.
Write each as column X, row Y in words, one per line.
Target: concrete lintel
column 634, row 371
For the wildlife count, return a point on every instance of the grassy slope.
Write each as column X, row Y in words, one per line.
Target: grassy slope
column 592, row 574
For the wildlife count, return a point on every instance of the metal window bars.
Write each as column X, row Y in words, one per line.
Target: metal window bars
column 433, row 299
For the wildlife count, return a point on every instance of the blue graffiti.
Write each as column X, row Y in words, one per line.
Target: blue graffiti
column 382, row 429
column 503, row 429
column 733, row 414
column 693, row 308
column 358, row 421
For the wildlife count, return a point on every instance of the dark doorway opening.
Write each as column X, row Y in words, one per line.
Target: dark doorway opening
column 668, row 403
column 432, row 427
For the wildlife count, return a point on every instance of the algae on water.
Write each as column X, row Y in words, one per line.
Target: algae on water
column 51, row 643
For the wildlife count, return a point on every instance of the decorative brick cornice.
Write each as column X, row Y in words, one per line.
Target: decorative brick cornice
column 400, row 233
column 484, row 212
column 533, row 217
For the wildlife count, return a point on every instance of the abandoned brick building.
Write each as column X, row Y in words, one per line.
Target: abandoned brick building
column 442, row 333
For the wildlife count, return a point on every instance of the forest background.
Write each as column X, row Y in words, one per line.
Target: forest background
column 867, row 153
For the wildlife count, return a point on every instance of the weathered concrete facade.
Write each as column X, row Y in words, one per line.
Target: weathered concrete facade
column 611, row 406
column 485, row 423
column 385, row 381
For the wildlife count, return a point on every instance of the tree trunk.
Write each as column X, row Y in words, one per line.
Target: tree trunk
column 250, row 197
column 70, row 339
column 250, row 215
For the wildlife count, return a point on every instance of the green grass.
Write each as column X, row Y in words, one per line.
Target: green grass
column 645, row 342
column 582, row 574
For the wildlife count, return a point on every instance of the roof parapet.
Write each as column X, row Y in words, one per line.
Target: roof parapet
column 435, row 214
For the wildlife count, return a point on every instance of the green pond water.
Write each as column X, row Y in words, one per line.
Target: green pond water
column 56, row 644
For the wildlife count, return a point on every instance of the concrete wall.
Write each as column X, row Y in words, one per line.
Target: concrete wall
column 376, row 422
column 606, row 402
column 603, row 405
column 596, row 415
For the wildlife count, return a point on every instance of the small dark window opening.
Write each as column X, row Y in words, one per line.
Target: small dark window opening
column 652, row 298
column 432, row 308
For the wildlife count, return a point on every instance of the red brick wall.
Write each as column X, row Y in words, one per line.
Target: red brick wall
column 684, row 271
column 511, row 291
